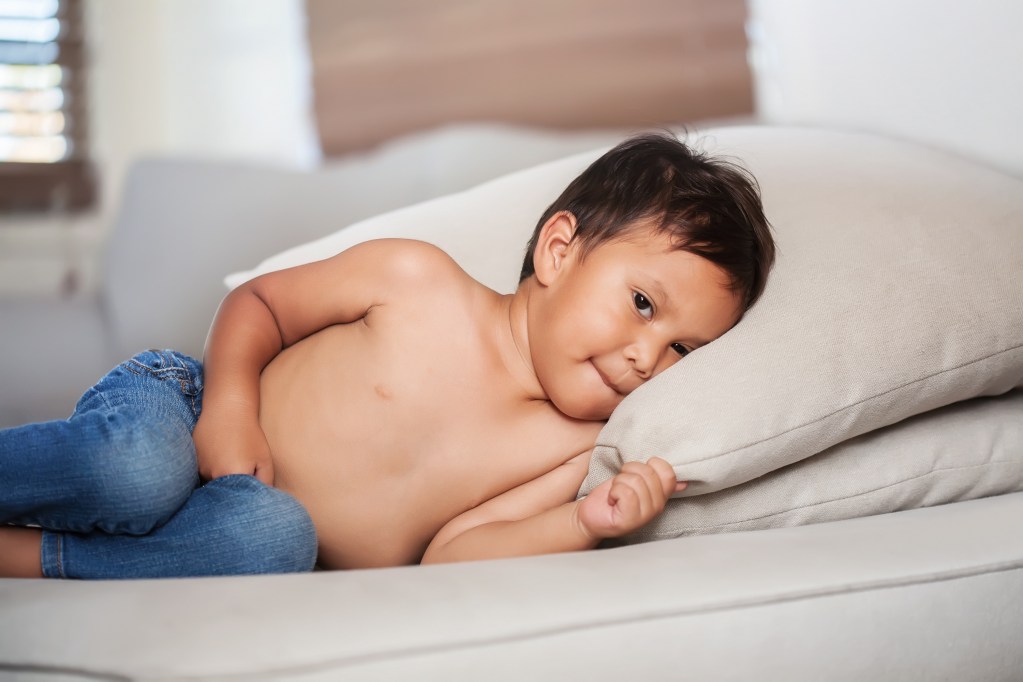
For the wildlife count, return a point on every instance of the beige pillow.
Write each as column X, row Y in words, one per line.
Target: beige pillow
column 485, row 229
column 898, row 289
column 962, row 451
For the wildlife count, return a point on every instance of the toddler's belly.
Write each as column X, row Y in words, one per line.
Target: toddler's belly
column 336, row 431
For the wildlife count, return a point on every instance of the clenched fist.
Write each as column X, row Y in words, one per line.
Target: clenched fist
column 226, row 443
column 629, row 500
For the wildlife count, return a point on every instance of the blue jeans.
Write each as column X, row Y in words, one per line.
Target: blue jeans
column 116, row 488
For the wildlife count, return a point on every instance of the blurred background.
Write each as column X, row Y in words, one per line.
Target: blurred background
column 300, row 83
column 116, row 115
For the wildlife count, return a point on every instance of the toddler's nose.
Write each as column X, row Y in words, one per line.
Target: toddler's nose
column 642, row 357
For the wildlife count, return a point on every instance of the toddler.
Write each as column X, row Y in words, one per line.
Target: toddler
column 381, row 407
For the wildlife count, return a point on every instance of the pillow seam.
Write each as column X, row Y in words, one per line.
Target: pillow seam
column 661, row 536
column 768, row 439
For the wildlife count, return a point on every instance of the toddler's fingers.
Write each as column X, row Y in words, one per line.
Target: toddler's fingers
column 635, row 480
column 638, row 479
column 666, row 474
column 651, row 488
column 624, row 496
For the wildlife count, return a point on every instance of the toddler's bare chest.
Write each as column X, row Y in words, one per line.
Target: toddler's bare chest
column 387, row 404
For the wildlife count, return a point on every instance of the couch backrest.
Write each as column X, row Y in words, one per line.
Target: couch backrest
column 184, row 224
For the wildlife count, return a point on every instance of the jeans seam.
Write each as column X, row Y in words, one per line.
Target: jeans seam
column 60, row 555
column 188, row 380
column 162, row 373
column 95, row 394
column 184, row 378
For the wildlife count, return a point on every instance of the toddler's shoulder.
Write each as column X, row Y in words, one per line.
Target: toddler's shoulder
column 413, row 263
column 411, row 257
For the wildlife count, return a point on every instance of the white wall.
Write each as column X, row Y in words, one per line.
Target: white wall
column 944, row 72
column 213, row 78
column 199, row 78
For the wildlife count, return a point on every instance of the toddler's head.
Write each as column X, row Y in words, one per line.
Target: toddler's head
column 653, row 251
column 708, row 207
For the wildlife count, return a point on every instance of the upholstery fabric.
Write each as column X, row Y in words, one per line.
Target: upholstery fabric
column 962, row 451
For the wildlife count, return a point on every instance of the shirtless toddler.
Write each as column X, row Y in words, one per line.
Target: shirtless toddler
column 418, row 416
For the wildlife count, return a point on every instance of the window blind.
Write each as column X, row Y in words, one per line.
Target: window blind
column 43, row 162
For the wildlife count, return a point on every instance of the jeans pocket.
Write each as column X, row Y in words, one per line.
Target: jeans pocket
column 169, row 365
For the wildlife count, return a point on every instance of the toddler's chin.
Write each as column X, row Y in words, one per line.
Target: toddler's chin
column 583, row 409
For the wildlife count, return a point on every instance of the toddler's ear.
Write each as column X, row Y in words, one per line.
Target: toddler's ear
column 553, row 246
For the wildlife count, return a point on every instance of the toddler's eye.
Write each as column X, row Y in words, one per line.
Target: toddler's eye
column 643, row 305
column 680, row 349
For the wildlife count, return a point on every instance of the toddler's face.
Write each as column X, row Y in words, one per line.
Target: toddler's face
column 623, row 314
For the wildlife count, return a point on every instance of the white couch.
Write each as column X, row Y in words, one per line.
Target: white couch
column 931, row 593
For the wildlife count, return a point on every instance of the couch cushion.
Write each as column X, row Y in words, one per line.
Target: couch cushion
column 926, row 594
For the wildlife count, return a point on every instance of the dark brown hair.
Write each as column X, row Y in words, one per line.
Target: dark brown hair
column 710, row 206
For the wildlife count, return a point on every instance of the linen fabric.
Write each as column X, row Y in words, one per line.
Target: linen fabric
column 962, row 451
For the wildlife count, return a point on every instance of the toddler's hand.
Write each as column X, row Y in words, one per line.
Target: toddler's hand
column 629, row 500
column 230, row 444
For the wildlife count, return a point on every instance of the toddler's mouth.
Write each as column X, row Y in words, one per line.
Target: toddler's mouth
column 607, row 382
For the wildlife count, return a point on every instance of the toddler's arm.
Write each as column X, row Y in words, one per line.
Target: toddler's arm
column 243, row 338
column 535, row 518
